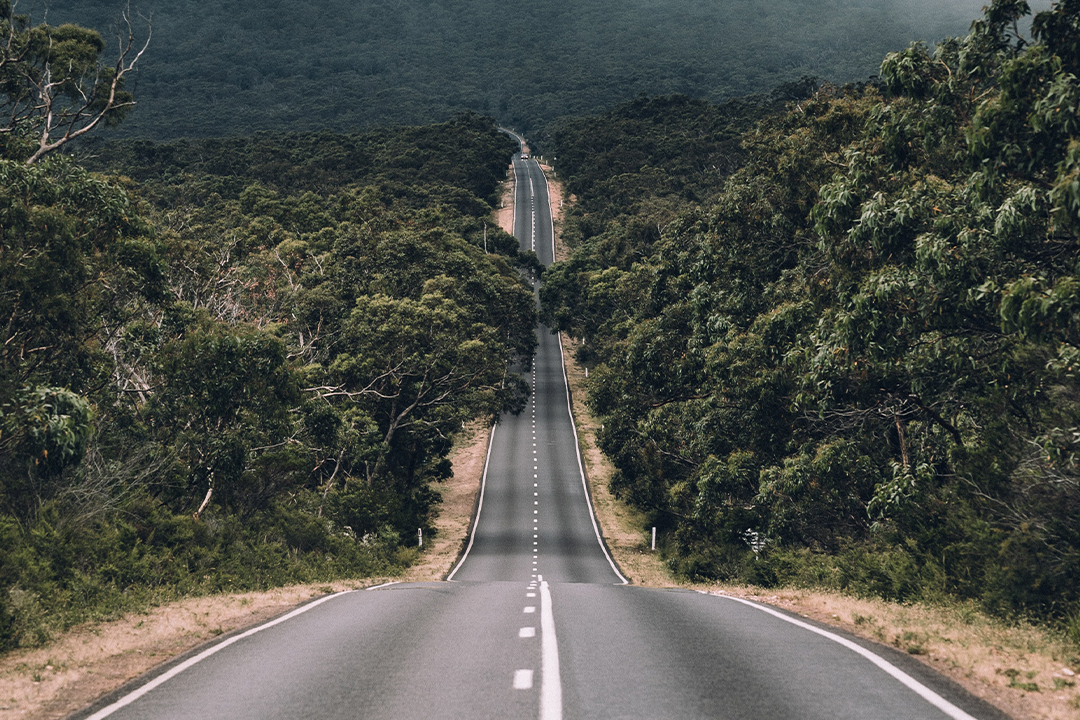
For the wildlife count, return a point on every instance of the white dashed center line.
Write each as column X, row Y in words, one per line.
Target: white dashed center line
column 523, row 679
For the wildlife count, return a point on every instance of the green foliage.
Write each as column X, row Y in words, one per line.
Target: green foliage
column 855, row 364
column 46, row 427
column 306, row 65
column 231, row 364
column 55, row 85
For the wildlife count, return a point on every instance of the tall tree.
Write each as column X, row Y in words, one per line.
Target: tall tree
column 54, row 84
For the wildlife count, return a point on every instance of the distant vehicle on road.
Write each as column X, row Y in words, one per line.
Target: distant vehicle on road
column 524, row 156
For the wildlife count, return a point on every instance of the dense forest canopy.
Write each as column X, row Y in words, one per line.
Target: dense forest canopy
column 235, row 67
column 236, row 363
column 833, row 328
column 853, row 360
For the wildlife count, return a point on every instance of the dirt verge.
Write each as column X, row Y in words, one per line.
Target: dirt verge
column 459, row 495
column 556, row 195
column 92, row 660
column 504, row 216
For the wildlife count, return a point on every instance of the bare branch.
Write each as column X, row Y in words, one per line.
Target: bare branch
column 74, row 122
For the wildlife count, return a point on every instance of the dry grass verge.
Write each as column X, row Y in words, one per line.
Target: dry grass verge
column 621, row 525
column 89, row 661
column 1026, row 671
column 555, row 200
column 504, row 215
column 457, row 508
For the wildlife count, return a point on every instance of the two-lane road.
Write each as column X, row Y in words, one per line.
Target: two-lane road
column 536, row 621
column 535, row 516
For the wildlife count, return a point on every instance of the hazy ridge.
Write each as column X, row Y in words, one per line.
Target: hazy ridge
column 233, row 67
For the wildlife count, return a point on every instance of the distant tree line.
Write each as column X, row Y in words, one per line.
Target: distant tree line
column 233, row 67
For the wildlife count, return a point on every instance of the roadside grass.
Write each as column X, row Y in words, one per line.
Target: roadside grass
column 90, row 660
column 1026, row 670
column 556, row 199
column 504, row 215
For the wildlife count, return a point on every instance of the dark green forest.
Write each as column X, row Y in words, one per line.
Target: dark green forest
column 844, row 350
column 832, row 329
column 234, row 363
column 235, row 67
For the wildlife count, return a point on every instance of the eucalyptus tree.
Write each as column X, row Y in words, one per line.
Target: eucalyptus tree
column 56, row 86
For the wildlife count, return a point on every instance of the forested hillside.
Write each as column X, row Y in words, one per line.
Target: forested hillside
column 240, row 363
column 233, row 67
column 833, row 329
column 854, row 364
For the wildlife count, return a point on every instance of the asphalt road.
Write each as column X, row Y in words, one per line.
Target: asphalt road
column 537, row 622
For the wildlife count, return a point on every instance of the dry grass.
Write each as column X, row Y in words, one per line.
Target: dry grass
column 1026, row 671
column 621, row 525
column 457, row 508
column 90, row 661
column 555, row 200
column 504, row 215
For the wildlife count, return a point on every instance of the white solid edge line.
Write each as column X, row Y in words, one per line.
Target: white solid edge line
column 384, row 585
column 550, row 680
column 479, row 507
column 581, row 468
column 911, row 683
column 551, row 218
column 166, row 676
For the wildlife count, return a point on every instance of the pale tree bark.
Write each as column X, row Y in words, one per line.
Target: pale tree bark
column 75, row 122
column 55, row 108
